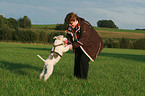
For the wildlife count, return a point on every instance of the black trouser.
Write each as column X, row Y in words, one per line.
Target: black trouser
column 81, row 64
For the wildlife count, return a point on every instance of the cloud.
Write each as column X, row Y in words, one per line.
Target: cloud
column 127, row 14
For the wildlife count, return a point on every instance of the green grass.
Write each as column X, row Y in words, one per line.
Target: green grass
column 45, row 28
column 118, row 72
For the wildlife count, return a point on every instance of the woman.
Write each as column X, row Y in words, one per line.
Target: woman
column 85, row 41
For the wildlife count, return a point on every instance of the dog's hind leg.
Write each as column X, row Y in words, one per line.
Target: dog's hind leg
column 43, row 71
column 49, row 71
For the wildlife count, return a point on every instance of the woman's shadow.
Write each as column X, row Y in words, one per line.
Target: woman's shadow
column 17, row 67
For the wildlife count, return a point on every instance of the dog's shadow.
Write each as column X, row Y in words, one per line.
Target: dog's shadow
column 25, row 69
column 18, row 68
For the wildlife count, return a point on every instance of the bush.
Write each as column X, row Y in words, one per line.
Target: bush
column 5, row 33
column 110, row 43
column 13, row 23
column 106, row 24
column 124, row 43
column 25, row 36
column 24, row 22
column 119, row 43
column 43, row 37
column 139, row 44
column 60, row 27
column 3, row 22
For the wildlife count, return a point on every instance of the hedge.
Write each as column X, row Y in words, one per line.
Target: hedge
column 28, row 36
column 125, row 43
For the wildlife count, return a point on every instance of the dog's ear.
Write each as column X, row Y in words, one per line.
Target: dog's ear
column 58, row 37
column 61, row 36
column 55, row 37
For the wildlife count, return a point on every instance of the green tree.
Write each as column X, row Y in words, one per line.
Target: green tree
column 25, row 22
column 106, row 24
column 5, row 33
column 13, row 23
column 60, row 27
column 5, row 30
column 3, row 21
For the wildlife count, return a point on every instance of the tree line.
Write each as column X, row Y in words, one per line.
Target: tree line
column 12, row 30
column 100, row 23
column 124, row 43
column 24, row 22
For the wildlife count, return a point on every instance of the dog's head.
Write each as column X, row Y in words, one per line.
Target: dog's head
column 60, row 40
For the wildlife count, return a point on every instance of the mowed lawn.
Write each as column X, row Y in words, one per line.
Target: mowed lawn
column 119, row 72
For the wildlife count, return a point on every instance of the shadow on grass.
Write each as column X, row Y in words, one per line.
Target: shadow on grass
column 26, row 69
column 18, row 68
column 140, row 58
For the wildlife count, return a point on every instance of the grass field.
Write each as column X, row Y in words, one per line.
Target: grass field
column 118, row 72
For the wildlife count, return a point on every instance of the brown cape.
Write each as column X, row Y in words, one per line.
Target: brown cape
column 85, row 37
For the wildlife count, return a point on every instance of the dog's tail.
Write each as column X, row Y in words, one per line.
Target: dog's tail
column 41, row 58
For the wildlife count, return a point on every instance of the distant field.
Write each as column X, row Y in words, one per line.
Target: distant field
column 44, row 26
column 116, row 72
column 103, row 32
column 120, row 30
column 114, row 34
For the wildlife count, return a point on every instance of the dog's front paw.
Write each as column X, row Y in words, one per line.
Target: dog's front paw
column 46, row 77
column 41, row 75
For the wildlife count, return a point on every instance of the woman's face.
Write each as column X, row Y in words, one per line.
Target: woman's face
column 73, row 23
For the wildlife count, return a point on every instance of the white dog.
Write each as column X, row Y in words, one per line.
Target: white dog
column 60, row 46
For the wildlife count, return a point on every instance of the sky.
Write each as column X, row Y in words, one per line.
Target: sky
column 126, row 14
